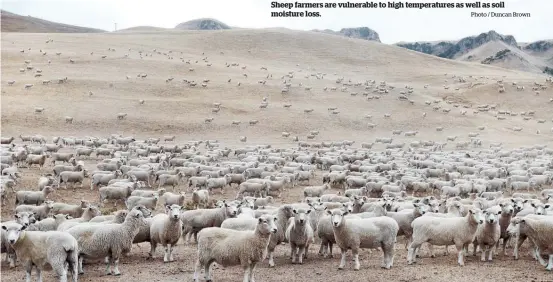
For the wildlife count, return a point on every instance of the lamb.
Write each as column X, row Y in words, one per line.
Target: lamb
column 40, row 212
column 196, row 220
column 33, row 197
column 173, row 199
column 166, row 229
column 107, row 240
column 73, row 177
column 200, row 198
column 148, row 202
column 487, row 234
column 315, row 191
column 115, row 193
column 369, row 233
column 37, row 248
column 540, row 232
column 299, row 234
column 443, row 231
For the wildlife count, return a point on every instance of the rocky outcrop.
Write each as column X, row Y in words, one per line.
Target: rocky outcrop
column 539, row 46
column 355, row 32
column 452, row 50
column 202, row 24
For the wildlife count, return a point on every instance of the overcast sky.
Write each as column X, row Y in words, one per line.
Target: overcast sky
column 392, row 25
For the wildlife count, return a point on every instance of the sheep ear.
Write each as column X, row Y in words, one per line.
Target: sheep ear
column 328, row 211
column 260, row 220
column 547, row 206
column 525, row 201
column 308, row 211
column 499, row 212
column 295, row 211
column 23, row 228
column 533, row 205
column 345, row 213
column 501, row 205
column 4, row 228
column 513, row 200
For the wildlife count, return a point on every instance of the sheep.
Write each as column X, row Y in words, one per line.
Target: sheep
column 37, row 248
column 121, row 116
column 231, row 247
column 33, row 197
column 88, row 214
column 39, row 212
column 369, row 233
column 103, row 178
column 196, row 220
column 173, row 199
column 404, row 219
column 166, row 229
column 257, row 189
column 540, row 231
column 315, row 191
column 50, row 223
column 72, row 210
column 72, row 177
column 39, row 160
column 148, row 202
column 262, row 202
column 115, row 193
column 107, row 240
column 44, row 181
column 62, row 157
column 487, row 234
column 200, row 198
column 299, row 234
column 215, row 183
column 443, row 231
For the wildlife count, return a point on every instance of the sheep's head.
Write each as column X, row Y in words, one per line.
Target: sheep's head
column 231, row 210
column 13, row 232
column 476, row 215
column 173, row 211
column 491, row 216
column 300, row 216
column 348, row 207
column 266, row 224
column 23, row 218
column 337, row 216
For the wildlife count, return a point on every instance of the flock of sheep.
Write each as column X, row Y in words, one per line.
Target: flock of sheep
column 425, row 194
column 354, row 195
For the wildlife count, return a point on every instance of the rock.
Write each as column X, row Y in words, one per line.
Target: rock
column 355, row 32
column 202, row 24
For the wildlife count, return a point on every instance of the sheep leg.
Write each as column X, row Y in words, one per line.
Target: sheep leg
column 300, row 254
column 271, row 258
column 306, row 251
column 356, row 259
column 293, row 252
column 38, row 273
column 490, row 253
column 153, row 246
column 207, row 270
column 460, row 255
column 116, row 271
column 170, row 247
column 247, row 272
column 197, row 267
column 108, row 265
column 322, row 248
column 80, row 263
column 61, row 272
column 11, row 258
column 343, row 260
column 549, row 266
column 388, row 251
column 28, row 270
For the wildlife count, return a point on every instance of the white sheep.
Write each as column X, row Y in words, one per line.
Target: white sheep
column 195, row 220
column 173, row 199
column 444, row 231
column 37, row 248
column 299, row 234
column 107, row 240
column 200, row 198
column 540, row 232
column 354, row 234
column 33, row 197
column 148, row 202
column 487, row 234
column 166, row 229
column 231, row 247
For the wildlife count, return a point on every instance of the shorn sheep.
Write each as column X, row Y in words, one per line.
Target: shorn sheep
column 354, row 234
column 229, row 247
column 166, row 229
column 299, row 234
column 37, row 248
column 443, row 231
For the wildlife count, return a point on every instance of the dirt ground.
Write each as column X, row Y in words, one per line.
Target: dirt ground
column 173, row 108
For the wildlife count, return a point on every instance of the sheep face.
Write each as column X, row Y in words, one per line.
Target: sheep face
column 266, row 224
column 476, row 215
column 348, row 207
column 231, row 210
column 13, row 232
column 173, row 211
column 540, row 209
column 491, row 217
column 300, row 216
column 337, row 217
column 23, row 218
column 507, row 208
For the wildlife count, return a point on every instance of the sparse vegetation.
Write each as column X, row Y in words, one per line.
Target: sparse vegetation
column 498, row 56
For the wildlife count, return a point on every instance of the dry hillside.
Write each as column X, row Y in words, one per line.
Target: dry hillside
column 16, row 23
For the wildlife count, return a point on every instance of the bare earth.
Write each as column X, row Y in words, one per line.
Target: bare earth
column 174, row 108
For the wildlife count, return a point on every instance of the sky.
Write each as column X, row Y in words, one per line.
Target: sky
column 392, row 25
